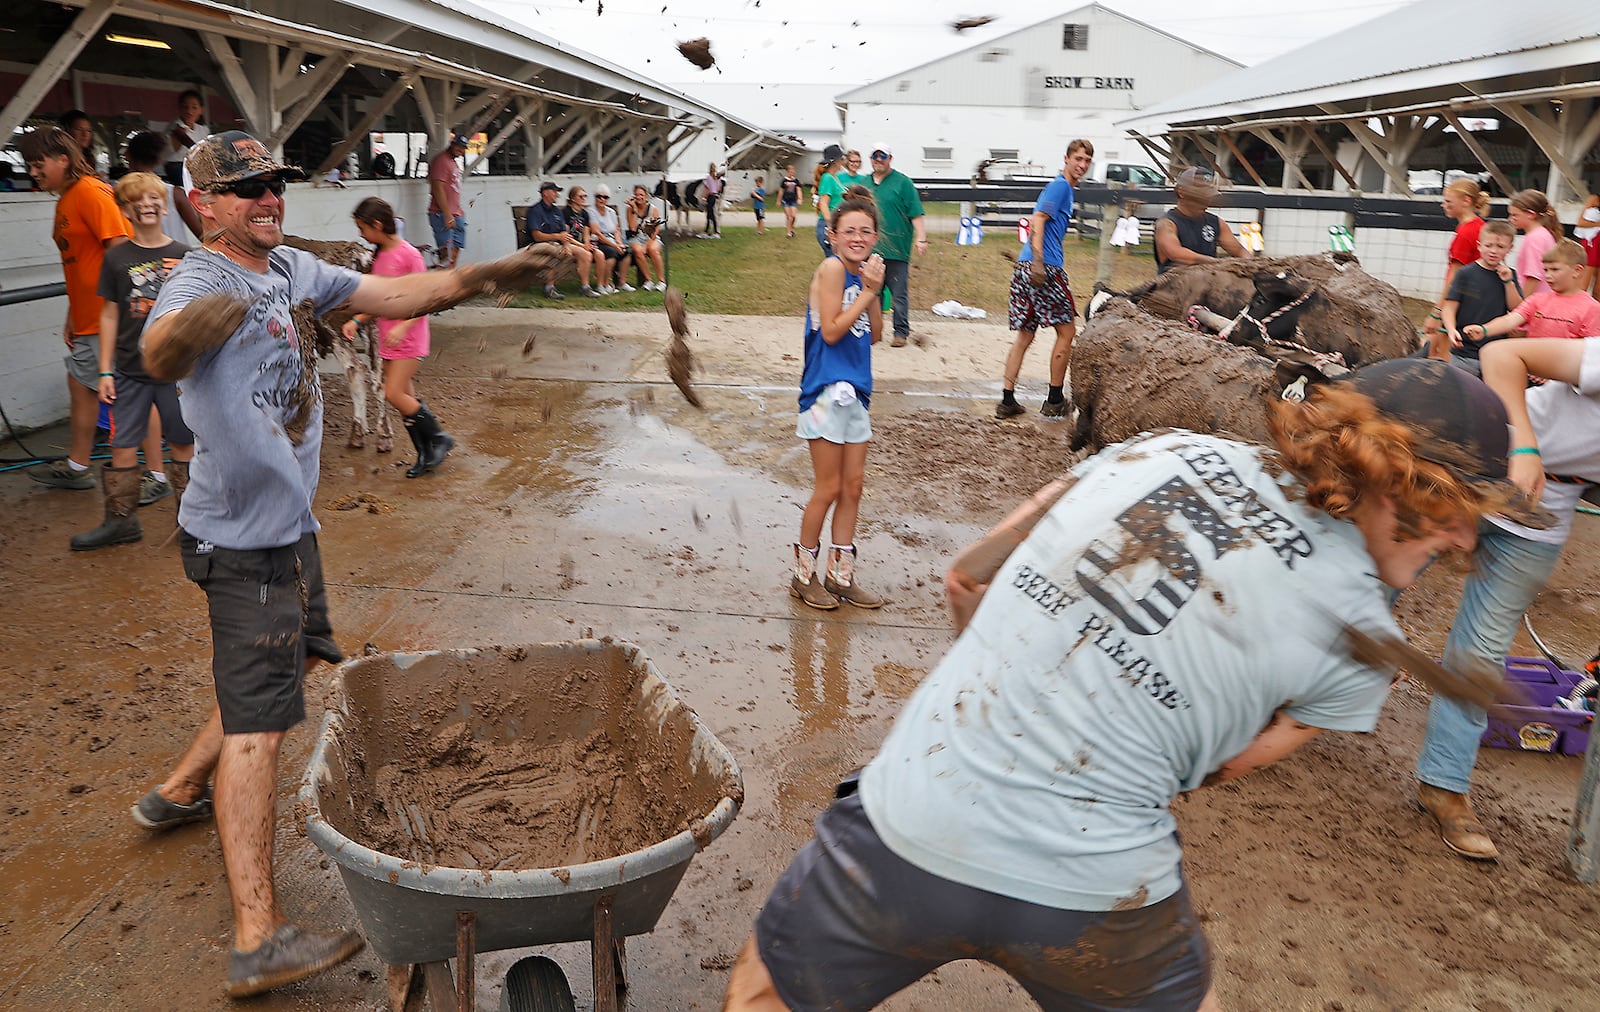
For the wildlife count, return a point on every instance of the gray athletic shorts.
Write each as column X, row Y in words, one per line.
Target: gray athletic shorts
column 130, row 413
column 83, row 361
column 269, row 611
column 850, row 923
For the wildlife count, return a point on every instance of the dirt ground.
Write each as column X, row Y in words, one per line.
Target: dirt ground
column 585, row 496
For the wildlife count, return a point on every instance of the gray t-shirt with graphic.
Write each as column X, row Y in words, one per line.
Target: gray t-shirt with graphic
column 255, row 402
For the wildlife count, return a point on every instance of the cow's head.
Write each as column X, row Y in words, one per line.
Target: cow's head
column 1273, row 293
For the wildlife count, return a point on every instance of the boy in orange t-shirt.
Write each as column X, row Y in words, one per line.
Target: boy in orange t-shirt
column 88, row 222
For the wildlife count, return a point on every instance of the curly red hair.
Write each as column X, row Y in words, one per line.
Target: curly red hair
column 1347, row 453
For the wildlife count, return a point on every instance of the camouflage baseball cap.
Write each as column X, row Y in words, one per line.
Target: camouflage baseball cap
column 228, row 157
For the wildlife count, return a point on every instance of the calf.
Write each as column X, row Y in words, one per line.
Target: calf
column 1356, row 316
column 363, row 368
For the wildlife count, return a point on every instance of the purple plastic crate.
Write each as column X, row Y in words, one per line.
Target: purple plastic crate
column 1540, row 726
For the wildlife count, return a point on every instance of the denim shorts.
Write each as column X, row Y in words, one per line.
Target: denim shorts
column 448, row 238
column 850, row 923
column 837, row 423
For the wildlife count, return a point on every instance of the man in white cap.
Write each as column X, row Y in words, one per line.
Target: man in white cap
column 900, row 231
column 1190, row 233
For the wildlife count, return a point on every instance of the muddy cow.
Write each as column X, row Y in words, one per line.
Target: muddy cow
column 1133, row 372
column 363, row 369
column 1347, row 311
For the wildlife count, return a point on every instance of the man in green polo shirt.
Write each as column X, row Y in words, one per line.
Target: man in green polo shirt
column 899, row 230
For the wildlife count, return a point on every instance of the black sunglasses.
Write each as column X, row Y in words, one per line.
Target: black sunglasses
column 252, row 189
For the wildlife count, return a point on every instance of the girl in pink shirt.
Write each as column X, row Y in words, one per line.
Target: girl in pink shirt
column 403, row 344
column 1530, row 212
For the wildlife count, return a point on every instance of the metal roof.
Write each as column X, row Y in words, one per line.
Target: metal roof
column 1421, row 46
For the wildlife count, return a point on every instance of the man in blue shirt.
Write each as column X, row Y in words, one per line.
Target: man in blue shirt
column 1039, row 293
column 546, row 222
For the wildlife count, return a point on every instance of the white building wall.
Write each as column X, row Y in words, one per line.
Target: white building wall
column 1026, row 92
column 972, row 133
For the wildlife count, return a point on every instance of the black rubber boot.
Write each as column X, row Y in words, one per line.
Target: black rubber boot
column 121, row 527
column 433, row 443
column 414, row 431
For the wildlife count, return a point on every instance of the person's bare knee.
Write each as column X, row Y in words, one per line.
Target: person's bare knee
column 750, row 987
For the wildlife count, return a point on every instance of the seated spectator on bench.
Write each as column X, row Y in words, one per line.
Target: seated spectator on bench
column 546, row 222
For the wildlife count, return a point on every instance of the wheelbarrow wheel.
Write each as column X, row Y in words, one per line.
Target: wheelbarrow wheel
column 536, row 984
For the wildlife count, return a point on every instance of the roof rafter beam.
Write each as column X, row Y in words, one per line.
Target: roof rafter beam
column 1372, row 143
column 55, row 63
column 583, row 133
column 210, row 18
column 234, row 77
column 1327, row 153
column 1480, row 153
column 328, row 73
column 511, row 126
column 1227, row 138
column 1291, row 157
column 1549, row 140
column 342, row 150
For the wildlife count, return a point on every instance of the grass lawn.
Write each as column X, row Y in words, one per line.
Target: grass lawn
column 768, row 275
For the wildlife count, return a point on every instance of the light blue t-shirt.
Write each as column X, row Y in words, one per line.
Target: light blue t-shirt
column 1143, row 634
column 1056, row 201
column 251, row 485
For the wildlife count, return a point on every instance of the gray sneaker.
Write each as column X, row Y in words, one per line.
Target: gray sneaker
column 156, row 813
column 289, row 955
column 550, row 292
column 152, row 489
column 59, row 475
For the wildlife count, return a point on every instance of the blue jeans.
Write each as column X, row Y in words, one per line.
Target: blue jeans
column 897, row 278
column 1508, row 572
column 822, row 237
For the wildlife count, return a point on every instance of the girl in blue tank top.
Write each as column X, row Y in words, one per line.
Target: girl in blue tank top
column 844, row 320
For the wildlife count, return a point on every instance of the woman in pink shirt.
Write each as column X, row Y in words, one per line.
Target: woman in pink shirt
column 1532, row 215
column 403, row 344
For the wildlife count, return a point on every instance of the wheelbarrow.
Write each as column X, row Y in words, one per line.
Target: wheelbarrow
column 419, row 901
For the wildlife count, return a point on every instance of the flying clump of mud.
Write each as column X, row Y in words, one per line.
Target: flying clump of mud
column 680, row 361
column 698, row 52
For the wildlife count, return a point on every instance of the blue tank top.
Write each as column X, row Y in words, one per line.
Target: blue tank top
column 848, row 360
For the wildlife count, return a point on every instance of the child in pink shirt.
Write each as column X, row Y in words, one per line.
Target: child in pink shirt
column 403, row 344
column 1563, row 309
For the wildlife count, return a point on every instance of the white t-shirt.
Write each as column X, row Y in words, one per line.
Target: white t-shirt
column 177, row 153
column 1142, row 635
column 1566, row 419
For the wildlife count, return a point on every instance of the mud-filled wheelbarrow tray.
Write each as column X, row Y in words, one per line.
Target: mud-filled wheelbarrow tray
column 529, row 791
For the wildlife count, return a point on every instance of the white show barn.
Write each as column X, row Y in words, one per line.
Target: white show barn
column 1023, row 96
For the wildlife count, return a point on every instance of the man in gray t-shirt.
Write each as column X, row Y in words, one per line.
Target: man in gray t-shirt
column 1181, row 610
column 224, row 324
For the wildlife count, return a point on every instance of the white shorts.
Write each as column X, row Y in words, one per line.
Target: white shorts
column 835, row 422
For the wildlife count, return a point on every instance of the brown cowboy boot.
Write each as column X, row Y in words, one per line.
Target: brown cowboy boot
column 841, row 582
column 122, row 499
column 804, row 585
column 1459, row 828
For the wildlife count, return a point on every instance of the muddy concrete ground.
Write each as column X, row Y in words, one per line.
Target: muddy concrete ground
column 585, row 495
